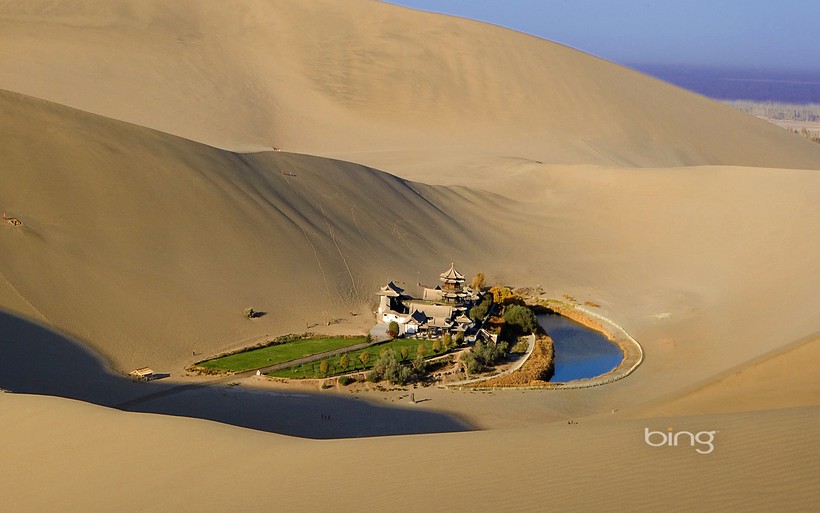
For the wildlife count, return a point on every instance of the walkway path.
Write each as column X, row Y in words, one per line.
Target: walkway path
column 515, row 367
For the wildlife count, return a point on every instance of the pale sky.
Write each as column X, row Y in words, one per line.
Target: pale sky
column 759, row 34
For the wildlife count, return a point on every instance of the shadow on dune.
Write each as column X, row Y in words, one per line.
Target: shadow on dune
column 37, row 360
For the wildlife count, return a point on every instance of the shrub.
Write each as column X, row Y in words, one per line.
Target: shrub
column 520, row 347
column 484, row 354
column 389, row 368
column 249, row 313
column 471, row 363
column 393, row 329
column 516, row 299
column 459, row 338
column 405, row 353
column 345, row 380
column 407, row 375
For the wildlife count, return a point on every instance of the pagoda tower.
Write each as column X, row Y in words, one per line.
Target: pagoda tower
column 452, row 288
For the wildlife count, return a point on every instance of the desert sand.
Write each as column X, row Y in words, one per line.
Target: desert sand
column 135, row 147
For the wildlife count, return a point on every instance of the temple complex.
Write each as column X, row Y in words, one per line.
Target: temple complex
column 442, row 309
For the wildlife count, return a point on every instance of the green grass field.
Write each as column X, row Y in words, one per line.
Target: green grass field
column 272, row 355
column 312, row 370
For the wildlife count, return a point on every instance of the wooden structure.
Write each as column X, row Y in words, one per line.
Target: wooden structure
column 143, row 374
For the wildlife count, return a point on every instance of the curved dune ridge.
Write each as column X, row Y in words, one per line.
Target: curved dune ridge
column 133, row 151
column 153, row 245
column 366, row 78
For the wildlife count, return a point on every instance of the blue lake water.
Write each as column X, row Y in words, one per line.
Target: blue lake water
column 580, row 352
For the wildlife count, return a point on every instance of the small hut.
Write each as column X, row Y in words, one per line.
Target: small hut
column 143, row 374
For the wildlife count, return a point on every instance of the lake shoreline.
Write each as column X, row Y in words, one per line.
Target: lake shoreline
column 631, row 349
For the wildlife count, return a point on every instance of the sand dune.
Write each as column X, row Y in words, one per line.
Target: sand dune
column 152, row 248
column 153, row 245
column 148, row 227
column 761, row 462
column 357, row 77
column 786, row 379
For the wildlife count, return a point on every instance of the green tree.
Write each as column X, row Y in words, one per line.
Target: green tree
column 422, row 350
column 393, row 369
column 479, row 311
column 484, row 354
column 393, row 329
column 446, row 341
column 324, row 367
column 344, row 361
column 471, row 363
column 419, row 365
column 436, row 346
column 521, row 317
column 405, row 353
column 364, row 357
